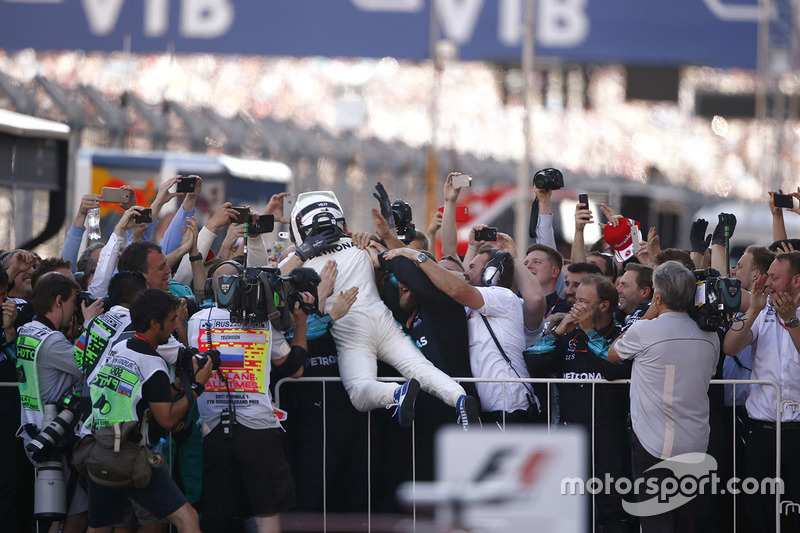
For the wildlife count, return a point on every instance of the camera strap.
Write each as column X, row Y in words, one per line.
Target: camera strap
column 534, row 221
column 529, row 394
column 231, row 417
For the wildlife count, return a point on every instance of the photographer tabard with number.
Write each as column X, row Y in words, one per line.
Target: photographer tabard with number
column 249, row 479
column 129, row 379
column 47, row 375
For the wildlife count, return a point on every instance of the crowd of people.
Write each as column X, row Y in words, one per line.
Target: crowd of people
column 140, row 341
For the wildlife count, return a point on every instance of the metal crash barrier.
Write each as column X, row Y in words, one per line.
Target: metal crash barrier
column 379, row 522
column 780, row 406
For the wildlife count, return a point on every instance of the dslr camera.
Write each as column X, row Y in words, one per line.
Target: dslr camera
column 58, row 426
column 186, row 355
column 716, row 299
column 401, row 212
column 548, row 179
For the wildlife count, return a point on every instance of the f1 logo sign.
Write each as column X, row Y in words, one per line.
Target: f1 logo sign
column 529, row 468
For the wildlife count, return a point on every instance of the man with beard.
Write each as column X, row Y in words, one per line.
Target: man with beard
column 575, row 273
column 578, row 349
column 635, row 288
column 771, row 329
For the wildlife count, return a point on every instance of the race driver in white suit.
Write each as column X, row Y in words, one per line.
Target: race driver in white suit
column 368, row 332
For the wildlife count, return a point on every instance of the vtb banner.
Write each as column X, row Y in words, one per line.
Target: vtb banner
column 719, row 33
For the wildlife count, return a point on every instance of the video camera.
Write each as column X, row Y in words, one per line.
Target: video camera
column 262, row 293
column 716, row 299
column 401, row 211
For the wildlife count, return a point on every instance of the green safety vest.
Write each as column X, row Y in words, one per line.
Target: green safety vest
column 29, row 341
column 115, row 385
column 103, row 331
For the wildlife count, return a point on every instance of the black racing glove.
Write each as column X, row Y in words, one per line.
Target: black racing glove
column 725, row 220
column 697, row 236
column 316, row 243
column 385, row 204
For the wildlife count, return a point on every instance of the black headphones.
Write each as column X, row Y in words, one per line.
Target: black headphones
column 208, row 290
column 493, row 270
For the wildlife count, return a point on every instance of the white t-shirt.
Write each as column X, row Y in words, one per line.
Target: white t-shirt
column 503, row 310
column 673, row 362
column 775, row 359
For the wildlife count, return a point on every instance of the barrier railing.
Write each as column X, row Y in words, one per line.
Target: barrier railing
column 780, row 406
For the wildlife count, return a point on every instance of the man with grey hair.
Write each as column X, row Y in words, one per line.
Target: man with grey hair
column 673, row 362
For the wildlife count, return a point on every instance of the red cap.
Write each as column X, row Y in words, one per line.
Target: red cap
column 620, row 239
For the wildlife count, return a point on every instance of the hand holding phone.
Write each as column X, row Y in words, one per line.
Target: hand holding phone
column 288, row 205
column 187, row 184
column 244, row 215
column 486, row 234
column 783, row 200
column 145, row 215
column 264, row 224
column 115, row 195
column 462, row 180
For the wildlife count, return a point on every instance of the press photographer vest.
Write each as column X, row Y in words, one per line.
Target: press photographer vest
column 103, row 331
column 115, row 385
column 30, row 338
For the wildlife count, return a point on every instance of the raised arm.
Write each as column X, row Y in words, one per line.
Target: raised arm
column 533, row 297
column 778, row 225
column 72, row 241
column 583, row 216
column 449, row 229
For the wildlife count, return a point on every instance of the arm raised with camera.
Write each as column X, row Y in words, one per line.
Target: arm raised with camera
column 449, row 228
column 107, row 262
column 583, row 216
column 778, row 225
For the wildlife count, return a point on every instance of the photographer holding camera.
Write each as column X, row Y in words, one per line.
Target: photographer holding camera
column 129, row 379
column 236, row 413
column 47, row 372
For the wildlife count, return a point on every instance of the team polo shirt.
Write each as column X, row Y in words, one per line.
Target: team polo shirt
column 774, row 359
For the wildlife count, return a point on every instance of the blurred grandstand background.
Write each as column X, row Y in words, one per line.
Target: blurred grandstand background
column 346, row 123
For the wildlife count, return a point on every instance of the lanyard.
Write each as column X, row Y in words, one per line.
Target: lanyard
column 550, row 311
